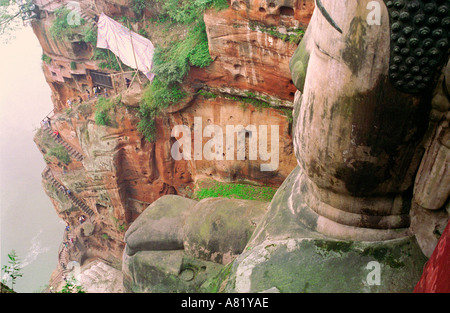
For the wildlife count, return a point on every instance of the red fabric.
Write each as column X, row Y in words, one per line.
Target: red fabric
column 436, row 274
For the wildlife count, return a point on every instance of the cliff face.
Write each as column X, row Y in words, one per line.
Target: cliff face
column 118, row 173
column 113, row 173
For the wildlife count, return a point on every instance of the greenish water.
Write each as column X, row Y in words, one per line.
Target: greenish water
column 29, row 223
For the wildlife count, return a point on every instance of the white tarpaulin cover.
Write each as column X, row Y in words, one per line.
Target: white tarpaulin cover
column 131, row 48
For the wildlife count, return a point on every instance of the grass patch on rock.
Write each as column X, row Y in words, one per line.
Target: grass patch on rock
column 215, row 189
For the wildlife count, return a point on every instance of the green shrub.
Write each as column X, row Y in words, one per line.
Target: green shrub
column 12, row 271
column 188, row 11
column 102, row 118
column 60, row 28
column 72, row 286
column 143, row 33
column 73, row 65
column 147, row 127
column 103, row 108
column 200, row 56
column 155, row 97
column 110, row 60
column 90, row 36
column 171, row 64
column 60, row 153
column 206, row 94
column 46, row 58
column 138, row 7
column 293, row 35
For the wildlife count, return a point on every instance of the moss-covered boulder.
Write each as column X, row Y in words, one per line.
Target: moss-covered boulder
column 318, row 265
column 160, row 226
column 166, row 272
column 218, row 229
column 181, row 245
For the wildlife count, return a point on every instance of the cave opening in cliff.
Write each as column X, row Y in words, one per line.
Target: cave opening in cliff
column 80, row 48
column 239, row 78
column 287, row 11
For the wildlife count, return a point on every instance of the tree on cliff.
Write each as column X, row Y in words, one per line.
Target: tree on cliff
column 11, row 15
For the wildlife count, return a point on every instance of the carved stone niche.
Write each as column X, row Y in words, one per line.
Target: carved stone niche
column 274, row 12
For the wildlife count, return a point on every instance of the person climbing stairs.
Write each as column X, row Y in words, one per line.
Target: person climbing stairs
column 48, row 175
column 58, row 139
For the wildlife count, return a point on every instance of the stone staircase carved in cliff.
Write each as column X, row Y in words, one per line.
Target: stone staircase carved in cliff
column 63, row 259
column 74, row 154
column 63, row 253
column 74, row 199
column 88, row 13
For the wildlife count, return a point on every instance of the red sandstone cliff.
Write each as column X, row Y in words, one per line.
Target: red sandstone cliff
column 121, row 173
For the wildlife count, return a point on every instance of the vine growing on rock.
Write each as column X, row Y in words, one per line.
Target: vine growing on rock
column 60, row 153
column 61, row 28
column 103, row 109
column 138, row 7
column 171, row 64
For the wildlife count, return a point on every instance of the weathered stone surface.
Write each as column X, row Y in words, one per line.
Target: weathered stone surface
column 88, row 229
column 223, row 112
column 180, row 245
column 292, row 257
column 354, row 146
column 327, row 265
column 246, row 57
column 160, row 226
column 344, row 137
column 218, row 229
column 275, row 12
column 98, row 277
column 167, row 272
column 146, row 269
column 428, row 226
column 432, row 185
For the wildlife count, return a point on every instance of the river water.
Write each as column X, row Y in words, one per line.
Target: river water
column 29, row 223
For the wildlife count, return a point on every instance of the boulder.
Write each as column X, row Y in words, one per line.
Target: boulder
column 218, row 229
column 181, row 245
column 160, row 226
column 166, row 271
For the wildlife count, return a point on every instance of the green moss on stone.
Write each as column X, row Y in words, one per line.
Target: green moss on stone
column 334, row 246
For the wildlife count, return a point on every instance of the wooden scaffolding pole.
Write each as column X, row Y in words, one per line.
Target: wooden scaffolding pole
column 118, row 61
column 134, row 54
